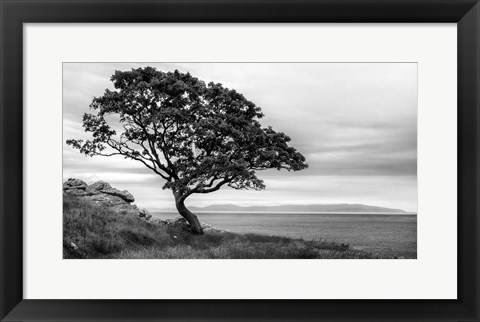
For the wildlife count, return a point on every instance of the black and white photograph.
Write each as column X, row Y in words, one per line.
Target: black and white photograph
column 239, row 160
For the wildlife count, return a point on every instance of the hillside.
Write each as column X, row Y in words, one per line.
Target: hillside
column 94, row 231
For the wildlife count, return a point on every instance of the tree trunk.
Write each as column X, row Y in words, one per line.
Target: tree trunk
column 189, row 216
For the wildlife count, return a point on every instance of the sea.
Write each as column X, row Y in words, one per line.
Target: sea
column 390, row 235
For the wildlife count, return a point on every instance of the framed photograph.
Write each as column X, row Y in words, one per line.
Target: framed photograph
column 239, row 160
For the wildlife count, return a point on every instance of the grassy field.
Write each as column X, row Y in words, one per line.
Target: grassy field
column 100, row 233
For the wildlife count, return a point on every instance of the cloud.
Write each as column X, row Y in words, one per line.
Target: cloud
column 355, row 123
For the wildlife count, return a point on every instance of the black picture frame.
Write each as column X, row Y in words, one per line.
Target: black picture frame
column 465, row 13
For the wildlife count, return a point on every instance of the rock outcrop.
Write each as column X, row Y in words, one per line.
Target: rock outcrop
column 183, row 223
column 103, row 194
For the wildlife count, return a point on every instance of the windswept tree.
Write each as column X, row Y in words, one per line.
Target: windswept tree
column 197, row 137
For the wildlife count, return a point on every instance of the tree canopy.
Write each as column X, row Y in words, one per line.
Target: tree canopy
column 197, row 136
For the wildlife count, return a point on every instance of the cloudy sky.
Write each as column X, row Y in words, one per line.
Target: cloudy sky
column 356, row 124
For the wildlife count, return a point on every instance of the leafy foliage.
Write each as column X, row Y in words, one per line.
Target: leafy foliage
column 197, row 137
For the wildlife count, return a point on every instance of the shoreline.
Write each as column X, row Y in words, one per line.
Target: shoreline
column 390, row 234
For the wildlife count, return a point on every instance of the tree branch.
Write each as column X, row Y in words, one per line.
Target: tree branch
column 215, row 188
column 135, row 155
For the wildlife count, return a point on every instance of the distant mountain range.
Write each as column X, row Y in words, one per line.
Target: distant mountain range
column 299, row 208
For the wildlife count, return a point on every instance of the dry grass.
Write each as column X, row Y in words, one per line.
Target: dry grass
column 101, row 233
